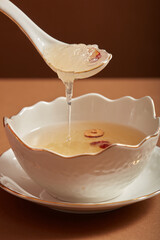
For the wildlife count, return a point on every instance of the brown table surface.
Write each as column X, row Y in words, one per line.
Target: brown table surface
column 20, row 219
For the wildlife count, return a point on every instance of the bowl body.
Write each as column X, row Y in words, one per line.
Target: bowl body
column 87, row 177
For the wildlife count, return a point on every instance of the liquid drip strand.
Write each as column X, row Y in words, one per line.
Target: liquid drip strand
column 69, row 94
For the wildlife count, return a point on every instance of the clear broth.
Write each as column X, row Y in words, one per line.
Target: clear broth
column 55, row 137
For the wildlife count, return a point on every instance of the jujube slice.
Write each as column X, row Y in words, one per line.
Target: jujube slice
column 101, row 144
column 95, row 55
column 93, row 133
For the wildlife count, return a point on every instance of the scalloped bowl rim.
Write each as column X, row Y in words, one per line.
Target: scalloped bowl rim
column 5, row 123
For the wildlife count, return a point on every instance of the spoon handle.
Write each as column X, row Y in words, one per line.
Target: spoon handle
column 35, row 34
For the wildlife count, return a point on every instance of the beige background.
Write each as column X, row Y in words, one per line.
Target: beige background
column 129, row 29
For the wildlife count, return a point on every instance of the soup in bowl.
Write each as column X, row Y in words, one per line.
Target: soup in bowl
column 111, row 142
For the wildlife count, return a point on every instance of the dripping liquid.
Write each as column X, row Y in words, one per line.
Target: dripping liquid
column 69, row 94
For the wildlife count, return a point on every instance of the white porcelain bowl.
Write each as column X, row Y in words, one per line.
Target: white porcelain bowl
column 87, row 177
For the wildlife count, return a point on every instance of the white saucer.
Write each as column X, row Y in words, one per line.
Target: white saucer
column 14, row 180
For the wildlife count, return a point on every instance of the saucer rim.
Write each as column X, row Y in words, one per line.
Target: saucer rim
column 60, row 203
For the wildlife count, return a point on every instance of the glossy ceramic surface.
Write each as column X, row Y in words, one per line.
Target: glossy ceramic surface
column 14, row 180
column 92, row 177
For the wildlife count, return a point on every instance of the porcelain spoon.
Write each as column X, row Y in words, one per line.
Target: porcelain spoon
column 41, row 39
